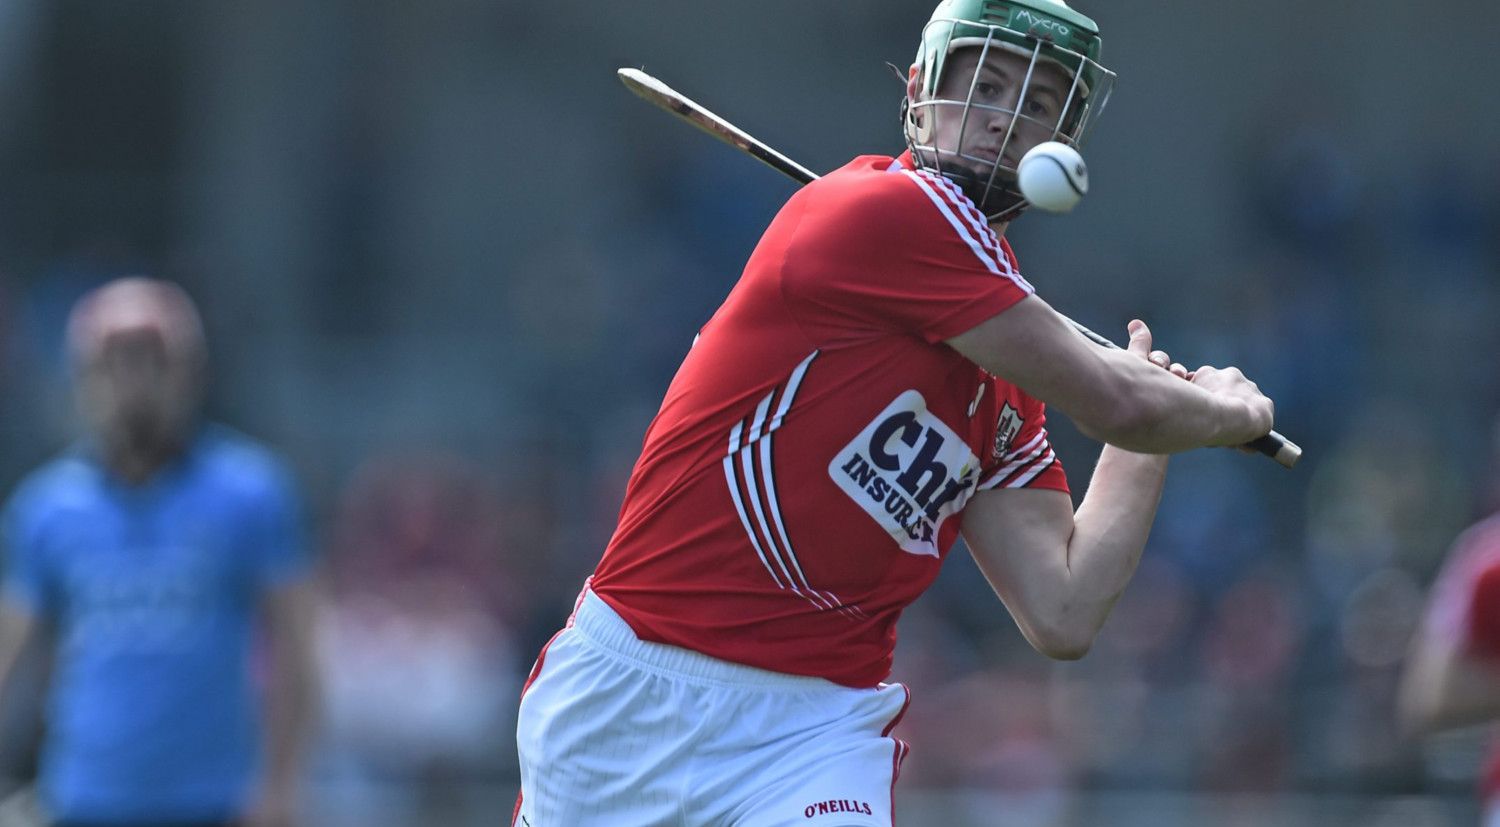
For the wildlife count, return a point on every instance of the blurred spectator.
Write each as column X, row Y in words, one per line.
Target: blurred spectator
column 146, row 555
column 416, row 637
column 34, row 367
column 1452, row 677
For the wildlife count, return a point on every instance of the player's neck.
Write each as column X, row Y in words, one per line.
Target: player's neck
column 138, row 461
column 999, row 227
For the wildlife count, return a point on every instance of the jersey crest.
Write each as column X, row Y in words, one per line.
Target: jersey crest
column 1006, row 428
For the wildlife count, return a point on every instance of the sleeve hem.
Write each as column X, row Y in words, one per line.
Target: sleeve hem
column 972, row 315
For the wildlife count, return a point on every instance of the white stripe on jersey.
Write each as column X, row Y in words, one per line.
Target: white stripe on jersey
column 984, row 255
column 739, row 504
column 793, row 384
column 1044, row 464
column 751, row 472
column 1037, row 450
column 762, row 528
column 760, row 417
column 829, row 599
column 965, row 208
column 1024, row 449
column 981, row 227
column 986, row 234
column 983, row 241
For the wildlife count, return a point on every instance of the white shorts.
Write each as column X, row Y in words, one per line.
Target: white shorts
column 617, row 731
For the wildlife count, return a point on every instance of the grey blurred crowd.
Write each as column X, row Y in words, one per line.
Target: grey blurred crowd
column 448, row 269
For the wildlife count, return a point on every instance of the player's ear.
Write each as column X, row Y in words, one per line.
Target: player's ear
column 910, row 115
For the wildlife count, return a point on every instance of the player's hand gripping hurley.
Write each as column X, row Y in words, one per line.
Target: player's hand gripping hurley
column 1273, row 445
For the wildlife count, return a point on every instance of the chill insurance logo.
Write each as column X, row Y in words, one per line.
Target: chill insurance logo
column 908, row 471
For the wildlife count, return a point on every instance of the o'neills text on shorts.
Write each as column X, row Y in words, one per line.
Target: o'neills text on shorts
column 840, row 805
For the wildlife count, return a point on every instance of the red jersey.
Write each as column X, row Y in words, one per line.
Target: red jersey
column 807, row 471
column 1467, row 597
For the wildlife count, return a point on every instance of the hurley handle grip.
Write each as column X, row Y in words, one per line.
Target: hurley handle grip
column 1274, row 445
column 1277, row 447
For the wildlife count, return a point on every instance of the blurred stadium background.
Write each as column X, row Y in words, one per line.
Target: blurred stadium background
column 448, row 266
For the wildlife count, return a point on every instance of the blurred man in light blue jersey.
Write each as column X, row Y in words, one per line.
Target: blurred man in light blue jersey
column 154, row 557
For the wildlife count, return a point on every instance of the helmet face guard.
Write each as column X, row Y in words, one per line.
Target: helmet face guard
column 1043, row 36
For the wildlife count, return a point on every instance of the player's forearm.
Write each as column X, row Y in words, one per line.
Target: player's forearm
column 16, row 629
column 1442, row 688
column 289, row 717
column 1109, row 533
column 292, row 694
column 1151, row 411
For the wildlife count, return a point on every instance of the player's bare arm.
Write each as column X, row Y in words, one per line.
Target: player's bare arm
column 1443, row 688
column 17, row 627
column 1451, row 672
column 1115, row 396
column 289, row 611
column 1058, row 572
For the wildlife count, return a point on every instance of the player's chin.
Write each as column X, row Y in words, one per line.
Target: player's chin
column 977, row 165
column 981, row 169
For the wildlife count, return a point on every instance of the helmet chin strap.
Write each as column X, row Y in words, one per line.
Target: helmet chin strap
column 998, row 202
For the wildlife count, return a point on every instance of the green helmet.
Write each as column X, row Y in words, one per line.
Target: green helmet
column 1036, row 33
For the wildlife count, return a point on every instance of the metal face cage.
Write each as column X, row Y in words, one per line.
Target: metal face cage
column 989, row 176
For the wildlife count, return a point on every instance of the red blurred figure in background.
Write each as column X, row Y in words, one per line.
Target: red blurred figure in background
column 1452, row 677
